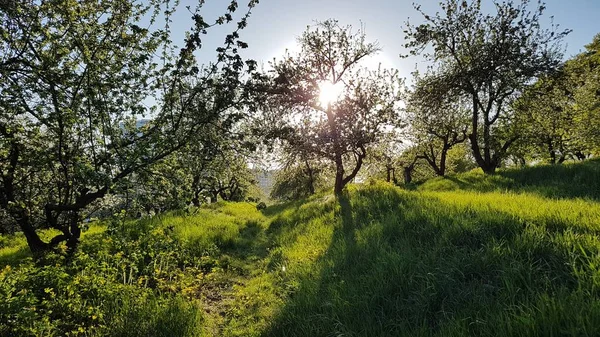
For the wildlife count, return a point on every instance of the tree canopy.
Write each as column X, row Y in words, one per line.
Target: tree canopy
column 488, row 59
column 96, row 100
column 77, row 78
column 366, row 102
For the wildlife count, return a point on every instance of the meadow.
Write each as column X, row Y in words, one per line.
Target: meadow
column 513, row 254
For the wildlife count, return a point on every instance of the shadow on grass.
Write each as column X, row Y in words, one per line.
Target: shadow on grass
column 250, row 245
column 572, row 180
column 576, row 180
column 297, row 212
column 279, row 208
column 401, row 264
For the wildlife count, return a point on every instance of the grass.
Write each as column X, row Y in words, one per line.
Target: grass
column 515, row 254
column 448, row 264
column 14, row 250
column 566, row 181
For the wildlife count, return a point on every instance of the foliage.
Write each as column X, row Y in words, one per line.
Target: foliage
column 557, row 111
column 514, row 253
column 487, row 59
column 226, row 176
column 437, row 122
column 585, row 67
column 145, row 277
column 378, row 260
column 340, row 130
column 94, row 294
column 300, row 180
column 383, row 158
column 261, row 206
column 571, row 180
column 75, row 80
column 547, row 120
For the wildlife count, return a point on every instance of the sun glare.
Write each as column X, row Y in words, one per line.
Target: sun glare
column 329, row 92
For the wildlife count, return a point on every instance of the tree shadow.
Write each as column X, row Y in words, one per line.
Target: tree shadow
column 251, row 244
column 281, row 207
column 401, row 264
column 574, row 180
column 567, row 181
column 293, row 213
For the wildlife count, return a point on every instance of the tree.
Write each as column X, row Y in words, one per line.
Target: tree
column 74, row 80
column 558, row 112
column 356, row 105
column 299, row 180
column 545, row 116
column 438, row 120
column 383, row 157
column 213, row 165
column 488, row 59
column 302, row 172
column 227, row 176
column 409, row 161
column 584, row 72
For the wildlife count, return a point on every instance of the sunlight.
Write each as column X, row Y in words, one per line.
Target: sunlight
column 329, row 92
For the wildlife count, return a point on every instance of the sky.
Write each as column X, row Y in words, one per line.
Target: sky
column 275, row 24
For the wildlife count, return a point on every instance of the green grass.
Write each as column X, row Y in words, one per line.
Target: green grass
column 444, row 264
column 14, row 250
column 515, row 254
column 567, row 181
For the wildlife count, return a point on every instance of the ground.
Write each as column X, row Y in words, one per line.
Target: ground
column 513, row 254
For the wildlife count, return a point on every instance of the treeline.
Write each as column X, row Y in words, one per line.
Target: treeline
column 496, row 93
column 99, row 112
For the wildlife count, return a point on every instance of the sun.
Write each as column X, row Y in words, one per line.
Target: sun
column 329, row 92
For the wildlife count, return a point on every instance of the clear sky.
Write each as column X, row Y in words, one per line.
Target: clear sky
column 275, row 24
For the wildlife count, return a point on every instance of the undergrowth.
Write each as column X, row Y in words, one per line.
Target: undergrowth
column 514, row 254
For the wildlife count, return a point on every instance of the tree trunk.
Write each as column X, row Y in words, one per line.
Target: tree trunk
column 196, row 199
column 443, row 156
column 339, row 177
column 580, row 156
column 36, row 245
column 552, row 153
column 484, row 161
column 75, row 232
column 389, row 174
column 196, row 189
column 339, row 164
column 360, row 156
column 408, row 174
column 486, row 142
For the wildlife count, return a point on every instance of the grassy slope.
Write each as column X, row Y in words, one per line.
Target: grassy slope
column 514, row 254
column 567, row 181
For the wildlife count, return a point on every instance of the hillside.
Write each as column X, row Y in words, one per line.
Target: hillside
column 566, row 181
column 509, row 255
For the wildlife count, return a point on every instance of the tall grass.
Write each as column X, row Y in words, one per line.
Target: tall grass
column 514, row 254
column 569, row 180
column 451, row 264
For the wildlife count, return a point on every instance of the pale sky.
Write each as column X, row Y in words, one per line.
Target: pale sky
column 275, row 24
